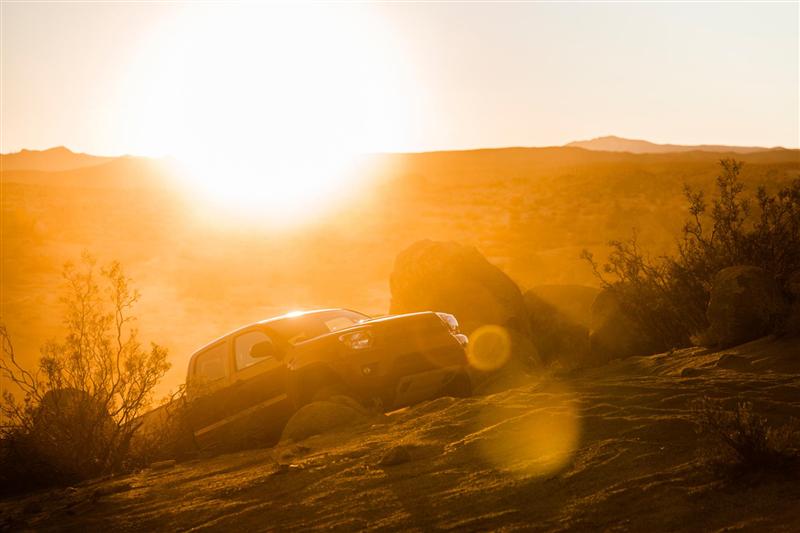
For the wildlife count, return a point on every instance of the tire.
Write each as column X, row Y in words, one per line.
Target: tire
column 314, row 385
column 328, row 391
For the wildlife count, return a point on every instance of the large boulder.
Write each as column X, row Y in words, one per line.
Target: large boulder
column 573, row 301
column 746, row 303
column 457, row 279
column 614, row 334
column 557, row 330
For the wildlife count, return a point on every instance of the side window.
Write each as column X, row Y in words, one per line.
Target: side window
column 211, row 365
column 242, row 345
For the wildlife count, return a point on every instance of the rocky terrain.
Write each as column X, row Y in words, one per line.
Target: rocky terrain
column 613, row 448
column 530, row 211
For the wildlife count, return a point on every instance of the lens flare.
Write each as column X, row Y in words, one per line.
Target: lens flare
column 489, row 347
column 536, row 443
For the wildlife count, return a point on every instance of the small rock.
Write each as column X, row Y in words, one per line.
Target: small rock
column 162, row 465
column 112, row 489
column 395, row 456
column 284, row 468
column 734, row 362
column 280, row 469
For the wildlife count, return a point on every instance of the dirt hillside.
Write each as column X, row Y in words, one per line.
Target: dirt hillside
column 614, row 448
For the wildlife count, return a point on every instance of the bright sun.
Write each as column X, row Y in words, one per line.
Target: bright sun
column 265, row 107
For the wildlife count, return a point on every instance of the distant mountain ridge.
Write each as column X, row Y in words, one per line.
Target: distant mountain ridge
column 62, row 159
column 56, row 159
column 611, row 143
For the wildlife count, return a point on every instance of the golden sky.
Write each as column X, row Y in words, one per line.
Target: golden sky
column 188, row 79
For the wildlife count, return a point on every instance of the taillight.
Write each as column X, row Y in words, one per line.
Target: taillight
column 357, row 340
column 451, row 322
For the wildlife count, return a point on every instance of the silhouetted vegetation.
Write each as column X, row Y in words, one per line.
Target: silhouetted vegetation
column 164, row 433
column 74, row 416
column 668, row 295
column 739, row 443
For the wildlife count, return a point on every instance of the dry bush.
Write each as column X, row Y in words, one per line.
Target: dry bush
column 668, row 295
column 738, row 443
column 164, row 433
column 75, row 415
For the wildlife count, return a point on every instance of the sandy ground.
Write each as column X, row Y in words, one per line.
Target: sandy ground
column 611, row 449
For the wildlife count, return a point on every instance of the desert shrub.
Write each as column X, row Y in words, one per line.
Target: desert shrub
column 163, row 433
column 739, row 443
column 668, row 295
column 75, row 415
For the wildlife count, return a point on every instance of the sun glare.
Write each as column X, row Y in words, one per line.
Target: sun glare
column 266, row 107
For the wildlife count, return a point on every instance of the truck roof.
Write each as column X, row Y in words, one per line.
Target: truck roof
column 291, row 314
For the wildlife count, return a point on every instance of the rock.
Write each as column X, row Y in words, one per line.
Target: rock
column 319, row 417
column 573, row 301
column 112, row 489
column 285, row 468
column 691, row 372
column 457, row 279
column 556, row 333
column 745, row 304
column 294, row 452
column 395, row 456
column 162, row 465
column 613, row 334
column 734, row 362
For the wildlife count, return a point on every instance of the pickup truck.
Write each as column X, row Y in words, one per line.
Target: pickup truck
column 242, row 388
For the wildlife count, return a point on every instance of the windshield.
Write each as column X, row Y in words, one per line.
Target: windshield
column 304, row 327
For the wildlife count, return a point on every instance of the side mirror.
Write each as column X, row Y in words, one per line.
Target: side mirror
column 263, row 349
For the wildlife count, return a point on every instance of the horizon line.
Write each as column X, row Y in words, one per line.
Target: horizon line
column 438, row 150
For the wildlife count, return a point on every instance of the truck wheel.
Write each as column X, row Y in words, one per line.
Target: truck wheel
column 329, row 391
column 339, row 394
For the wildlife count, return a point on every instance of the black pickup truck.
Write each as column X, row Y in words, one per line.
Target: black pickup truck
column 245, row 385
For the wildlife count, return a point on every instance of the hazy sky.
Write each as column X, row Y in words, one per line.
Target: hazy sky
column 157, row 79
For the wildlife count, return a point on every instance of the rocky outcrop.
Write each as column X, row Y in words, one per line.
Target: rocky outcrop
column 614, row 334
column 746, row 303
column 557, row 335
column 457, row 279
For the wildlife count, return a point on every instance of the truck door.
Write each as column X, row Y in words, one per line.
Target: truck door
column 261, row 384
column 209, row 377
